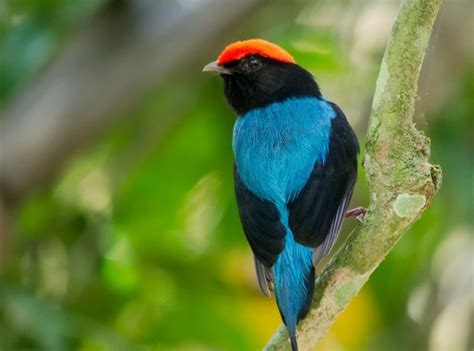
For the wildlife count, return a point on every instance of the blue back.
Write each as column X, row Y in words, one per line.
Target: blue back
column 276, row 148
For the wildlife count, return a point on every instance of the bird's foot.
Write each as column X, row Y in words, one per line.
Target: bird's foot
column 358, row 213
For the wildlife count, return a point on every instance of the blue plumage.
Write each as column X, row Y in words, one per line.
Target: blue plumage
column 295, row 169
column 293, row 272
column 276, row 148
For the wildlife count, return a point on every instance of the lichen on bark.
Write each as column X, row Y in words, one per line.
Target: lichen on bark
column 401, row 180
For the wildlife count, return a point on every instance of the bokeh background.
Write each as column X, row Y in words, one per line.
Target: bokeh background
column 118, row 224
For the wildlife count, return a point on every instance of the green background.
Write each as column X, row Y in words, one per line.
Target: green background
column 136, row 244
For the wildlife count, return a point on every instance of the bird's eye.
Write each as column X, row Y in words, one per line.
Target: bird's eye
column 254, row 63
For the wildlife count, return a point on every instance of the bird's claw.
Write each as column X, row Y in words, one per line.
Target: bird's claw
column 358, row 213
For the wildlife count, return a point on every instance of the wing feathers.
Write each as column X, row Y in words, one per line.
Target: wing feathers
column 265, row 277
column 334, row 230
column 261, row 223
column 317, row 213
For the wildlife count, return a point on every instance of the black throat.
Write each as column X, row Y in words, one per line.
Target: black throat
column 276, row 81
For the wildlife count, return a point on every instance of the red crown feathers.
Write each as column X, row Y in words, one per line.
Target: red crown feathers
column 239, row 49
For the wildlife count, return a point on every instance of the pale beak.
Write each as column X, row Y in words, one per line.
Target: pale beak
column 213, row 67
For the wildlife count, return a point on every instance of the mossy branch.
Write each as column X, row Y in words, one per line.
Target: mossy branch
column 401, row 180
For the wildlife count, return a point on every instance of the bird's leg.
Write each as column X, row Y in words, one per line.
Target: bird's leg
column 358, row 213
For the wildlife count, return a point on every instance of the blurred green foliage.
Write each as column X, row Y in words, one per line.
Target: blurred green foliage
column 137, row 245
column 30, row 33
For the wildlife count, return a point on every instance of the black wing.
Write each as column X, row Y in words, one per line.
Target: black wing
column 316, row 214
column 264, row 231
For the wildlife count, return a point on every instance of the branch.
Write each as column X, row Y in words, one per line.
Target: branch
column 106, row 69
column 401, row 180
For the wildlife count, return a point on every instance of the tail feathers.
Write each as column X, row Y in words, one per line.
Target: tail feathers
column 294, row 344
column 288, row 314
column 294, row 285
column 309, row 282
column 291, row 328
column 292, row 316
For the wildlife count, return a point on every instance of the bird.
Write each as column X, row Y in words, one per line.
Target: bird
column 295, row 168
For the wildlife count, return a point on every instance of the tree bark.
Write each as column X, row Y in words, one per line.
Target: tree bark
column 401, row 180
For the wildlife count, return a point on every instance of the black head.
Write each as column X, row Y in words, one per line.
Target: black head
column 255, row 81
